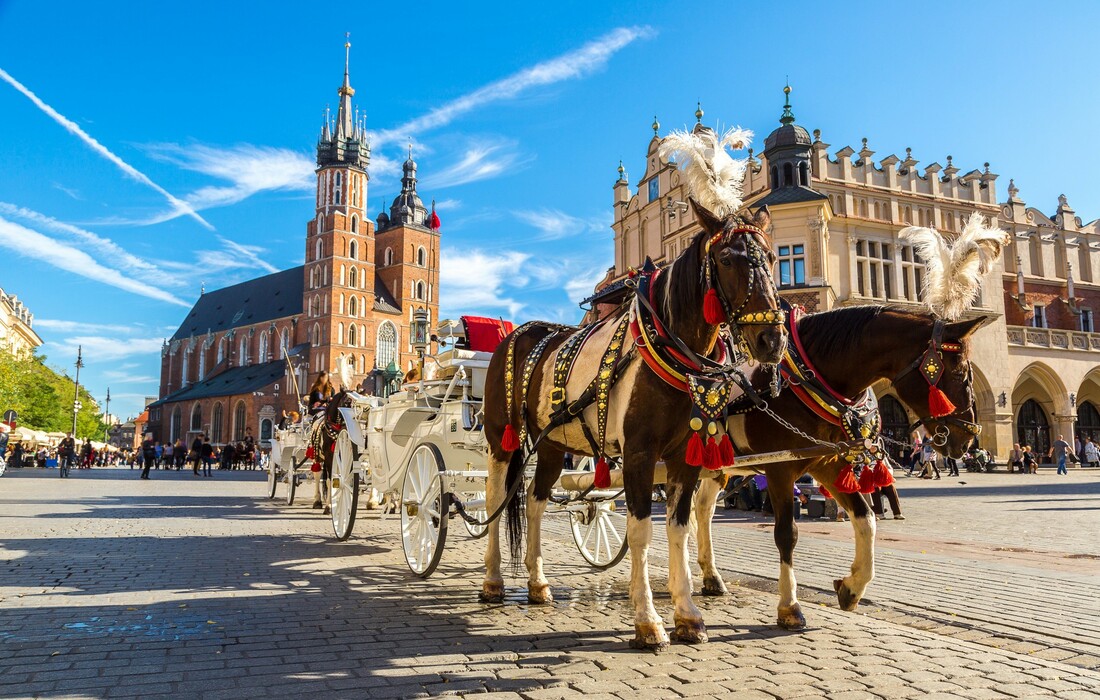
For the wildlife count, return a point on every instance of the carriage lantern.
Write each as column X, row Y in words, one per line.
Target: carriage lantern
column 420, row 330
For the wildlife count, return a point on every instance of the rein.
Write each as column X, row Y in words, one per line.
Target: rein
column 930, row 365
column 758, row 267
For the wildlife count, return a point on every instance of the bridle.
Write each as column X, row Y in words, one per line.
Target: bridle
column 758, row 273
column 930, row 365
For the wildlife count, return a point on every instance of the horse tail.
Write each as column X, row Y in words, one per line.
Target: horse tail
column 515, row 508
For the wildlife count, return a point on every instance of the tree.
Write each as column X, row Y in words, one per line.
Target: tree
column 43, row 397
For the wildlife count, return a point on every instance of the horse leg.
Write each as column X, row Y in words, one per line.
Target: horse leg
column 326, row 481
column 649, row 628
column 680, row 485
column 850, row 589
column 550, row 463
column 781, row 493
column 706, row 496
column 317, row 490
column 492, row 588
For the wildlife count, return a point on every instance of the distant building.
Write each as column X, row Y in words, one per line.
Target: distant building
column 835, row 223
column 224, row 371
column 16, row 321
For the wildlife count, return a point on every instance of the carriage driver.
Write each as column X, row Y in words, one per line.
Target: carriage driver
column 319, row 393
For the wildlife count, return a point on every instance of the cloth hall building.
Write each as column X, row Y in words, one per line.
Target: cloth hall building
column 224, row 372
column 836, row 215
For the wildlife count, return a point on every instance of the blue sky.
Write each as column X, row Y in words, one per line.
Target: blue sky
column 153, row 147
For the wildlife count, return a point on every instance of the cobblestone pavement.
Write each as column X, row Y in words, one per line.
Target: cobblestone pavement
column 188, row 587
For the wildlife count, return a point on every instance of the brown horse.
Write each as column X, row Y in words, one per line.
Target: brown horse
column 646, row 419
column 849, row 349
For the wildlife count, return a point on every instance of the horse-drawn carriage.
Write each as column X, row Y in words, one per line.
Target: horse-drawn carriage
column 423, row 450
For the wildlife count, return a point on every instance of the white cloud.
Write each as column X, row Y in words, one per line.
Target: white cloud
column 573, row 64
column 480, row 161
column 581, row 286
column 179, row 205
column 79, row 326
column 116, row 377
column 72, row 192
column 554, row 224
column 474, row 281
column 101, row 349
column 32, row 244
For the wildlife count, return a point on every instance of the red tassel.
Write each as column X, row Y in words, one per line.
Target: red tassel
column 435, row 221
column 603, row 474
column 868, row 479
column 315, row 467
column 310, row 452
column 938, row 403
column 332, row 447
column 694, row 455
column 510, row 441
column 846, row 480
column 725, row 449
column 712, row 456
column 713, row 313
column 824, row 491
column 883, row 477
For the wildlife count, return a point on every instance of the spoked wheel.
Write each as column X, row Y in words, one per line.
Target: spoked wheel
column 344, row 487
column 291, row 483
column 424, row 507
column 600, row 532
column 477, row 531
column 272, row 479
column 3, row 466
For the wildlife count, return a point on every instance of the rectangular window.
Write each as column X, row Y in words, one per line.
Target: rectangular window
column 1086, row 321
column 1039, row 317
column 792, row 265
column 654, row 189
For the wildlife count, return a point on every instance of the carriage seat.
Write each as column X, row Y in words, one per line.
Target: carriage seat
column 475, row 338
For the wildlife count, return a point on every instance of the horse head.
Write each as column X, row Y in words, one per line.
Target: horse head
column 736, row 261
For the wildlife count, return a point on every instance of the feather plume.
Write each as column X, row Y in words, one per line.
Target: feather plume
column 954, row 269
column 345, row 373
column 713, row 176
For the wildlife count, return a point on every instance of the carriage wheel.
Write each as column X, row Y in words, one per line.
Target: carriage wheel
column 477, row 531
column 600, row 532
column 272, row 479
column 424, row 507
column 3, row 465
column 291, row 483
column 343, row 487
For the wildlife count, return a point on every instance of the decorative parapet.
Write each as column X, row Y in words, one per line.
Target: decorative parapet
column 1053, row 338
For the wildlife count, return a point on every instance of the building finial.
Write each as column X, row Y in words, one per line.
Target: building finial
column 202, row 288
column 347, row 54
column 698, row 112
column 788, row 116
column 656, row 125
column 622, row 172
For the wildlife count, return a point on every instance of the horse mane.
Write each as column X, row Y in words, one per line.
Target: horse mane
column 844, row 329
column 680, row 288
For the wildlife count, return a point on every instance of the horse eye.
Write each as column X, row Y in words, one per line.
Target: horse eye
column 725, row 257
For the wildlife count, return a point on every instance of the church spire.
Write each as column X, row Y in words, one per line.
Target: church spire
column 344, row 127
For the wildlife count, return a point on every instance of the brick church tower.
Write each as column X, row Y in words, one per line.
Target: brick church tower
column 408, row 254
column 338, row 295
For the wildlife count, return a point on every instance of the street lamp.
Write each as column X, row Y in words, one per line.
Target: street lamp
column 420, row 337
column 76, row 382
column 107, row 418
column 392, row 377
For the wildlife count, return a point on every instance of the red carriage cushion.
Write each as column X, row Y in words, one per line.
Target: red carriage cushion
column 485, row 334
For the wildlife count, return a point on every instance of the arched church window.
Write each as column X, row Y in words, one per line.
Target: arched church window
column 336, row 190
column 340, row 333
column 221, row 349
column 319, row 250
column 353, row 278
column 196, row 417
column 353, row 247
column 1033, row 428
column 242, row 354
column 353, row 306
column 238, row 421
column 351, row 335
column 788, row 174
column 386, row 346
column 804, row 174
column 421, row 257
column 284, row 343
column 775, row 177
column 315, row 335
column 262, row 356
column 202, row 363
column 354, row 227
column 388, row 257
column 420, row 290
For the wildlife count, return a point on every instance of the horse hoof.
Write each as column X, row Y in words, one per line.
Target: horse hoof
column 690, row 632
column 713, row 585
column 844, row 595
column 326, row 511
column 539, row 594
column 491, row 593
column 316, row 505
column 649, row 637
column 791, row 618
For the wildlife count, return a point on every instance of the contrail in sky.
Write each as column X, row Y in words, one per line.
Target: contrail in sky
column 102, row 150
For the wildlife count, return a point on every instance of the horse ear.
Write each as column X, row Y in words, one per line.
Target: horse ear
column 762, row 218
column 962, row 329
column 711, row 223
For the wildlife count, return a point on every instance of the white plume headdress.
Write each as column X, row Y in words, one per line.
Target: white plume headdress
column 344, row 371
column 954, row 270
column 713, row 176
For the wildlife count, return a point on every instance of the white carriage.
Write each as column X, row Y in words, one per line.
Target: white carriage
column 424, row 449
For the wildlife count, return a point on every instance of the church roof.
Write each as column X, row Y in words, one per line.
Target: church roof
column 266, row 298
column 383, row 300
column 231, row 382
